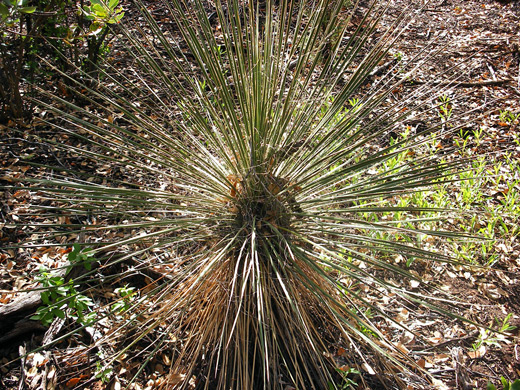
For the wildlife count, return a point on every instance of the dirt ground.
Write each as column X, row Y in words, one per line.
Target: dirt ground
column 477, row 40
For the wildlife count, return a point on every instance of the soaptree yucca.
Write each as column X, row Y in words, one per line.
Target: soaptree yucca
column 239, row 148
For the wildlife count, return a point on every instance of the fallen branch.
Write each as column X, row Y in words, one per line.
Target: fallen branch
column 412, row 83
column 26, row 302
column 15, row 316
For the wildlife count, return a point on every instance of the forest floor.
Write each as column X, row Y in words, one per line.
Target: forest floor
column 484, row 37
column 480, row 41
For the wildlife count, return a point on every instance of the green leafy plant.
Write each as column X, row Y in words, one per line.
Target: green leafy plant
column 14, row 15
column 398, row 56
column 10, row 11
column 103, row 371
column 265, row 193
column 489, row 337
column 508, row 117
column 346, row 383
column 60, row 299
column 84, row 41
column 127, row 294
column 506, row 385
column 101, row 14
column 80, row 256
column 31, row 34
column 445, row 111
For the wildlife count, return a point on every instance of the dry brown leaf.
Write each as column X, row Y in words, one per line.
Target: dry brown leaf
column 478, row 353
column 31, row 372
column 441, row 357
column 402, row 348
column 407, row 338
column 72, row 382
column 52, row 378
column 437, row 338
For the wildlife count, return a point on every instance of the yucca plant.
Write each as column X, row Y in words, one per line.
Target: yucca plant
column 238, row 175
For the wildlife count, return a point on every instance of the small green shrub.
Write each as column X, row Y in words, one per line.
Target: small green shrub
column 506, row 385
column 101, row 15
column 61, row 299
column 14, row 15
column 80, row 256
column 346, row 383
column 508, row 117
column 127, row 294
column 30, row 32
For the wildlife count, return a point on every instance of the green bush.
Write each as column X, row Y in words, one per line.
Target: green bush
column 45, row 29
column 14, row 16
column 61, row 299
